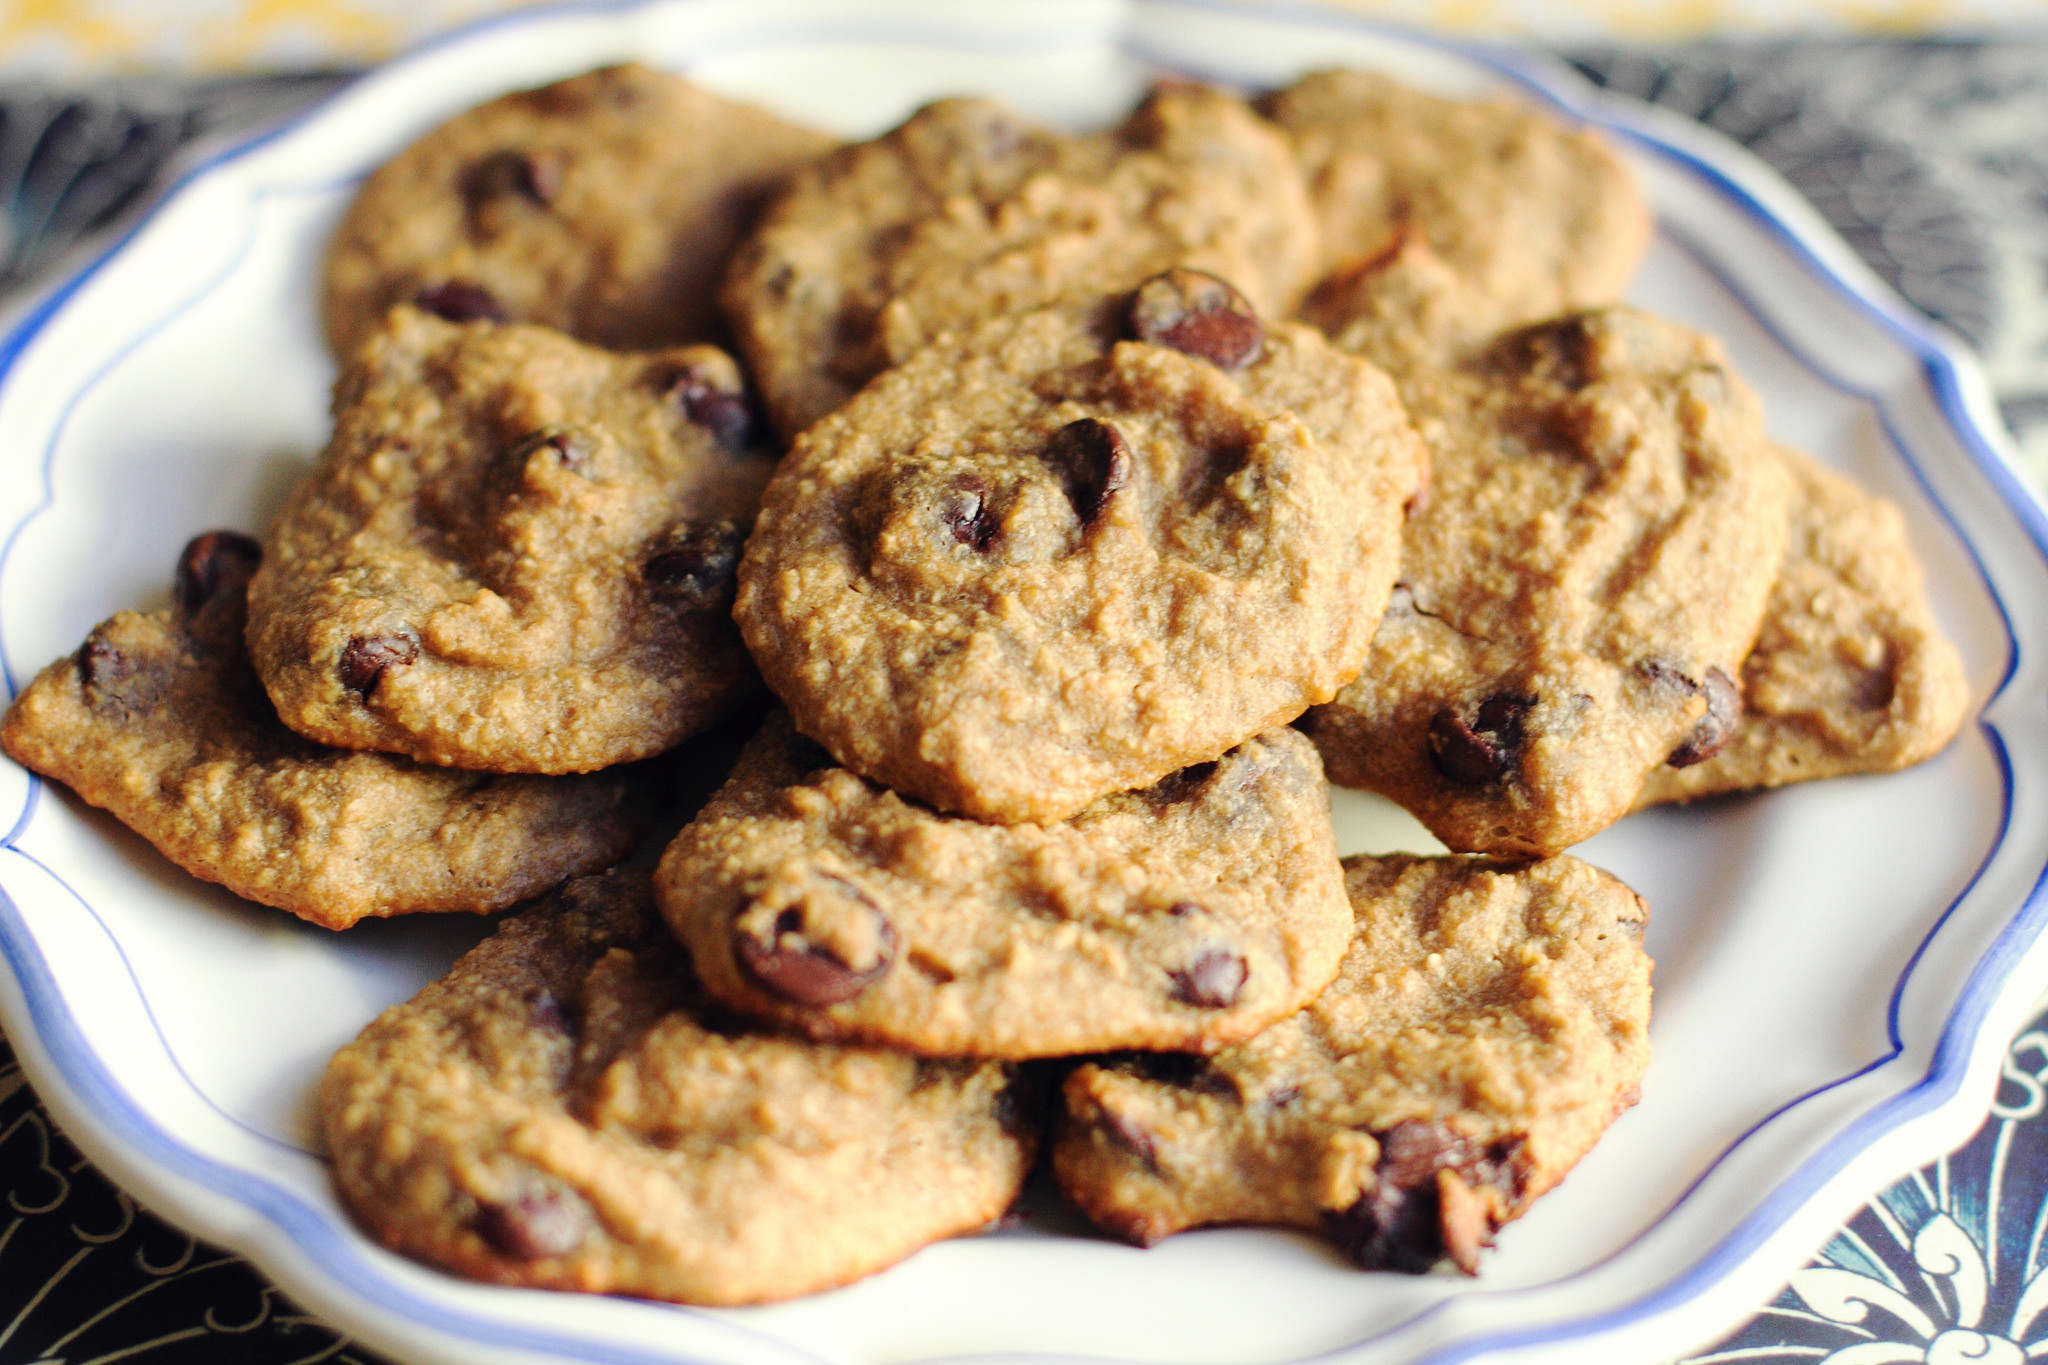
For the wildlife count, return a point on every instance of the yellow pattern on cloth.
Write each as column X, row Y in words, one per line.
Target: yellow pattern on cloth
column 83, row 37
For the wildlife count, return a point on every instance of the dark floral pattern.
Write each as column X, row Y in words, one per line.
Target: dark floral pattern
column 87, row 1276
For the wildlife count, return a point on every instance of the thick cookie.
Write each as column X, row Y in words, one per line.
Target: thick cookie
column 159, row 719
column 1533, row 218
column 1033, row 565
column 1578, row 590
column 604, row 205
column 563, row 1110
column 1487, row 1024
column 1850, row 673
column 965, row 212
column 1186, row 916
column 515, row 553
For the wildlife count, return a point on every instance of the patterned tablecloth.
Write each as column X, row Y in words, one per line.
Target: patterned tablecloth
column 1929, row 157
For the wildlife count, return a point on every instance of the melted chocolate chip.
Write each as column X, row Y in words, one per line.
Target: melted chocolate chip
column 1093, row 461
column 211, row 564
column 1397, row 1224
column 102, row 667
column 712, row 401
column 1561, row 351
column 788, row 965
column 549, row 1013
column 696, row 562
column 1402, row 1222
column 534, row 1226
column 1200, row 315
column 568, row 449
column 1128, row 1134
column 1485, row 748
column 460, row 301
column 965, row 511
column 1212, row 981
column 535, row 177
column 1717, row 727
column 368, row 657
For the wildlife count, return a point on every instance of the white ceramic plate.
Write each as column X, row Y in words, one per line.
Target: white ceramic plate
column 1839, row 965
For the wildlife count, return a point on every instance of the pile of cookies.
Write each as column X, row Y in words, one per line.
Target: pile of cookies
column 1071, row 503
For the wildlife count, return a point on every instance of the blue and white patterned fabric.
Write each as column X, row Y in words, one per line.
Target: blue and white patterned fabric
column 1928, row 157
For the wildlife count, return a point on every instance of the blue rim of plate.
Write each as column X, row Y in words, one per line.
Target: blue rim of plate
column 335, row 1251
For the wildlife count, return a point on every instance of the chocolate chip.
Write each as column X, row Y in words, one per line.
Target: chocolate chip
column 1401, row 1222
column 1212, row 981
column 534, row 1226
column 1717, row 727
column 713, row 398
column 1186, row 785
column 460, row 301
column 1128, row 1134
column 533, row 176
column 965, row 511
column 549, row 1013
column 1182, row 909
column 110, row 679
column 787, row 964
column 211, row 564
column 569, row 449
column 696, row 561
column 1562, row 351
column 1198, row 314
column 1485, row 748
column 1093, row 461
column 367, row 658
column 1396, row 1225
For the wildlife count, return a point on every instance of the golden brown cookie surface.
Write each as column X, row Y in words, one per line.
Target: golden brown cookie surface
column 515, row 553
column 966, row 212
column 1530, row 218
column 160, row 719
column 603, row 205
column 1578, row 590
column 1850, row 673
column 1488, row 1022
column 562, row 1110
column 1186, row 916
column 1034, row 565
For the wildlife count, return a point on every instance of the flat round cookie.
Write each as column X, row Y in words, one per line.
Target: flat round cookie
column 1850, row 673
column 1578, row 590
column 966, row 211
column 1534, row 218
column 1186, row 916
column 563, row 1111
column 1489, row 1021
column 159, row 719
column 1034, row 564
column 604, row 206
column 515, row 553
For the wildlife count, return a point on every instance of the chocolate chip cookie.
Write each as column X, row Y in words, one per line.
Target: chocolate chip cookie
column 1578, row 591
column 1186, row 916
column 1036, row 563
column 159, row 719
column 1487, row 1024
column 1850, row 673
column 516, row 552
column 1531, row 217
column 563, row 1110
column 967, row 211
column 604, row 205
